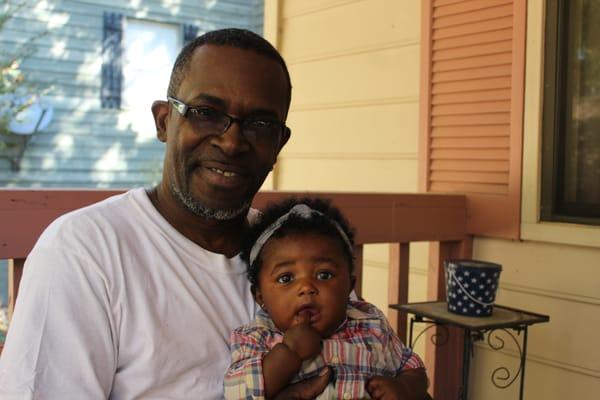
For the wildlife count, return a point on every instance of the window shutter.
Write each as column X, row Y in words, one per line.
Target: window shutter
column 472, row 89
column 112, row 68
column 190, row 32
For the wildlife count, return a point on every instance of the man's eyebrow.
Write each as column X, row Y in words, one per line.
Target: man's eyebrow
column 263, row 112
column 204, row 97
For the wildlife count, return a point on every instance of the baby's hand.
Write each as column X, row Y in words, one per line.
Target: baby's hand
column 303, row 339
column 384, row 388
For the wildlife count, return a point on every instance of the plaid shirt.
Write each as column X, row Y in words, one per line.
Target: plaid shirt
column 363, row 346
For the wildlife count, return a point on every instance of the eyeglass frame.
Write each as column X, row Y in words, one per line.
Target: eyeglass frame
column 183, row 108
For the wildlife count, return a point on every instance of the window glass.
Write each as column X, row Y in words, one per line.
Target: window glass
column 149, row 51
column 572, row 113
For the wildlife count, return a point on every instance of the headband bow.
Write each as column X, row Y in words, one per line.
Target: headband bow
column 300, row 210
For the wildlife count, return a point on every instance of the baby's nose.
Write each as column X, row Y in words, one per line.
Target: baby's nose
column 307, row 288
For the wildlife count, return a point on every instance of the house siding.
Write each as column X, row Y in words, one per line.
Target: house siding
column 86, row 145
column 355, row 127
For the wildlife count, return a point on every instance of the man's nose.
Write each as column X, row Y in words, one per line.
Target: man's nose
column 232, row 141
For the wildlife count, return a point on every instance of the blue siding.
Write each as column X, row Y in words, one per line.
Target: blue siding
column 68, row 60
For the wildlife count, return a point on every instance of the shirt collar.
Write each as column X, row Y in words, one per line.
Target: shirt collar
column 355, row 313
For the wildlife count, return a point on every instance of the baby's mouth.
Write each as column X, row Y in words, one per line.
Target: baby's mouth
column 309, row 310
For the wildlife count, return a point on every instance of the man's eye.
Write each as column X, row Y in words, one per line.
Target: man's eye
column 324, row 275
column 260, row 123
column 204, row 113
column 285, row 278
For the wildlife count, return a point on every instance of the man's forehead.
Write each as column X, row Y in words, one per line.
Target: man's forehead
column 209, row 56
column 223, row 70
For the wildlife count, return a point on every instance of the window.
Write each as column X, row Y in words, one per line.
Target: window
column 149, row 51
column 134, row 53
column 571, row 126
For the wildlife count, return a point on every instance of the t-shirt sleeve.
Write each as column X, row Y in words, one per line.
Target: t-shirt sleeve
column 60, row 341
column 244, row 377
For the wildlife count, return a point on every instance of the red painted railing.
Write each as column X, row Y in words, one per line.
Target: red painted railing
column 397, row 219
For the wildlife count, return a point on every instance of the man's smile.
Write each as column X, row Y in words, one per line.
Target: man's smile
column 224, row 173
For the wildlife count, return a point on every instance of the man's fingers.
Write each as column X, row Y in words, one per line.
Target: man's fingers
column 373, row 383
column 374, row 387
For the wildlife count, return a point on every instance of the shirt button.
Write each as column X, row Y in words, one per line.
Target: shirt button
column 335, row 359
column 347, row 396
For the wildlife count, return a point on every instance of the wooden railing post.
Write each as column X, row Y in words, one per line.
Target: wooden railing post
column 398, row 286
column 444, row 362
column 15, row 271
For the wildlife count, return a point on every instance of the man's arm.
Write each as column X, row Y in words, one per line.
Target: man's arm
column 60, row 340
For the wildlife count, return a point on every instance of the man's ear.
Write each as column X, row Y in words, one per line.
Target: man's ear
column 287, row 132
column 160, row 110
column 285, row 136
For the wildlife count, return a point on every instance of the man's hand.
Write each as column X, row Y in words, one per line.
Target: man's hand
column 302, row 338
column 384, row 388
column 408, row 385
column 306, row 390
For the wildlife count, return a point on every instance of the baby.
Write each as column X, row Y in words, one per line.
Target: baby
column 300, row 262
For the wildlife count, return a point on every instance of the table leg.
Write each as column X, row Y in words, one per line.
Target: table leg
column 523, row 360
column 467, row 350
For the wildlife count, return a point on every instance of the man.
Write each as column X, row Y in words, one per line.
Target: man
column 135, row 297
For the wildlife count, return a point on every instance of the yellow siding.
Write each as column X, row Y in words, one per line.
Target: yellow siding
column 352, row 130
column 563, row 282
column 317, row 130
column 354, row 119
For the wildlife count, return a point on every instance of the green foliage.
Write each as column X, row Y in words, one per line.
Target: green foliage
column 12, row 79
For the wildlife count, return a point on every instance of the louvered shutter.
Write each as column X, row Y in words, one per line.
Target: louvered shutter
column 190, row 32
column 112, row 67
column 472, row 89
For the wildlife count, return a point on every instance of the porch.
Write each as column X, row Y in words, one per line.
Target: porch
column 397, row 219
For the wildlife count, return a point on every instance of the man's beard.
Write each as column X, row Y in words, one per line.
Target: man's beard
column 206, row 212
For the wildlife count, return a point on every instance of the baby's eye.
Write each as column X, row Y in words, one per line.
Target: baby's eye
column 285, row 278
column 324, row 275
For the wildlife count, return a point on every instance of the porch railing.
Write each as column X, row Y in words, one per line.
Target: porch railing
column 397, row 219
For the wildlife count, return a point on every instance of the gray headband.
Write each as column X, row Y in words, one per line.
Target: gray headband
column 300, row 210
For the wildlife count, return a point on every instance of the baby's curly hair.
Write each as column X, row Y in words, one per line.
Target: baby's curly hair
column 316, row 223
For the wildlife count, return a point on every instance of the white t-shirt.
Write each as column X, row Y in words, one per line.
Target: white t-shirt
column 115, row 303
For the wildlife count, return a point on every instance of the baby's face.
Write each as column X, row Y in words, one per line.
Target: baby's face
column 304, row 276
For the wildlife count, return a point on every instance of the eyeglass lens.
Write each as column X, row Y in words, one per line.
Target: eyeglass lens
column 255, row 130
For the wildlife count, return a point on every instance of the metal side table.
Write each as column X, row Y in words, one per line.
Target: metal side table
column 476, row 329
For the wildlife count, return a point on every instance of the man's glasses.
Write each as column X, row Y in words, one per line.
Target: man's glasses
column 209, row 121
